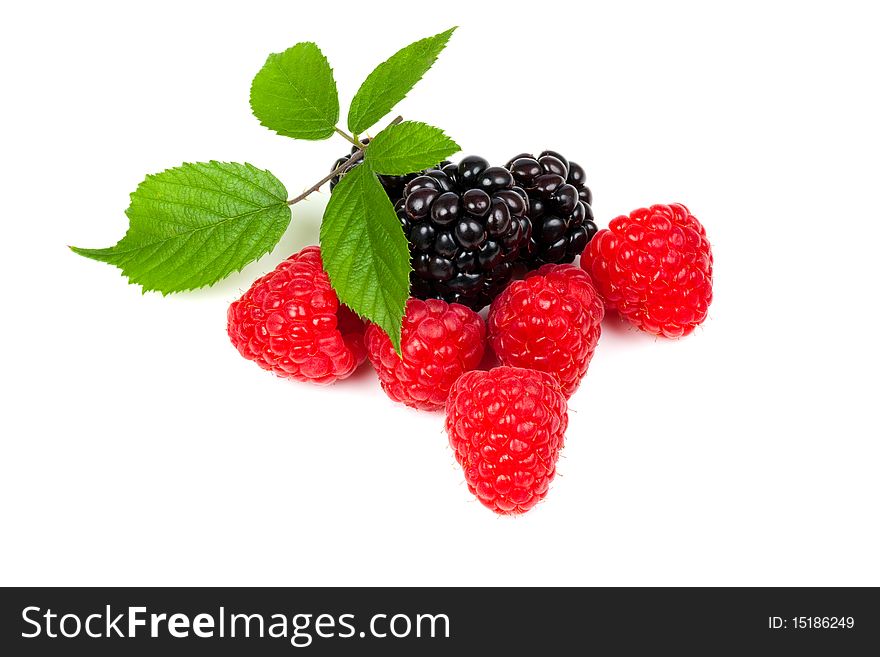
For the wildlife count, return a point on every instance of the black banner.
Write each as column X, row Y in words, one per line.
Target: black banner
column 436, row 621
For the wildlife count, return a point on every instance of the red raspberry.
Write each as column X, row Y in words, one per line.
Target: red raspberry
column 291, row 322
column 550, row 321
column 506, row 427
column 655, row 268
column 439, row 341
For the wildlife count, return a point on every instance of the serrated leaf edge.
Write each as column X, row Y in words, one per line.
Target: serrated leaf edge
column 401, row 170
column 318, row 135
column 389, row 302
column 359, row 129
column 106, row 254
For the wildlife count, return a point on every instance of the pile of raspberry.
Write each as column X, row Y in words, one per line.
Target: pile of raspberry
column 504, row 382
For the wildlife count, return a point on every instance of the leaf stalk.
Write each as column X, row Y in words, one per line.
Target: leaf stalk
column 342, row 168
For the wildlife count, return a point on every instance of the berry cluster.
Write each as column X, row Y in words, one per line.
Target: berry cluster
column 478, row 235
column 469, row 224
column 466, row 225
column 559, row 206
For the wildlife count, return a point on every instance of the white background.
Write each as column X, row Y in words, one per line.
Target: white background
column 139, row 448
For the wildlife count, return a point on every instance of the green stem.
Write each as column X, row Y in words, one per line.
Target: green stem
column 349, row 138
column 342, row 168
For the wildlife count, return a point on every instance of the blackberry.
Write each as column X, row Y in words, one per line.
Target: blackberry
column 559, row 207
column 466, row 224
column 393, row 185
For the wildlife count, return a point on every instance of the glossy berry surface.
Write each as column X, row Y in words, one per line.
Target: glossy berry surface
column 559, row 207
column 506, row 427
column 550, row 321
column 655, row 268
column 290, row 322
column 466, row 225
column 394, row 185
column 439, row 342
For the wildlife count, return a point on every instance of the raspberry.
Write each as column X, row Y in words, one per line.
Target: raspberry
column 559, row 207
column 655, row 268
column 466, row 226
column 506, row 427
column 439, row 342
column 291, row 323
column 394, row 185
column 550, row 321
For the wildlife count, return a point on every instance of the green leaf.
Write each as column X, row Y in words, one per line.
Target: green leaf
column 294, row 93
column 407, row 147
column 193, row 225
column 365, row 252
column 392, row 80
